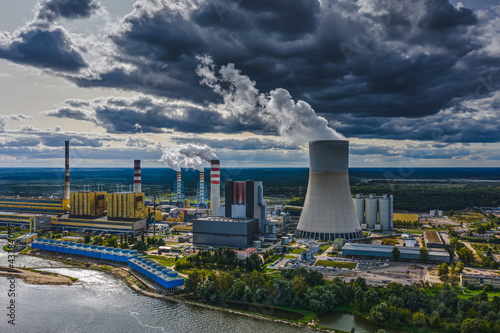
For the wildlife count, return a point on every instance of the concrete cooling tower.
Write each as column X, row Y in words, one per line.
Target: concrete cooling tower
column 328, row 211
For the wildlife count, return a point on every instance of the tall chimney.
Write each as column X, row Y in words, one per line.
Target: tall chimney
column 66, row 176
column 215, row 186
column 137, row 176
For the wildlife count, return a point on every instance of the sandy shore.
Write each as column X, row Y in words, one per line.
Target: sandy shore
column 32, row 277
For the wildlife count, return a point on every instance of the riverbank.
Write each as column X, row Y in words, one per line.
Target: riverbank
column 142, row 287
column 36, row 277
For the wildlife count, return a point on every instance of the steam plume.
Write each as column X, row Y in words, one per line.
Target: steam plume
column 295, row 121
column 189, row 155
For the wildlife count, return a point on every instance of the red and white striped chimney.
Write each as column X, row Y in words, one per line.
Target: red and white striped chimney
column 202, row 179
column 137, row 176
column 179, row 187
column 66, row 170
column 215, row 186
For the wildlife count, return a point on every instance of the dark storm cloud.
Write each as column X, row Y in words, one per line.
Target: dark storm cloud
column 51, row 49
column 238, row 144
column 120, row 115
column 50, row 10
column 384, row 58
column 41, row 44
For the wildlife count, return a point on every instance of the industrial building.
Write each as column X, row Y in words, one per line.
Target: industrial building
column 32, row 205
column 479, row 280
column 26, row 221
column 433, row 240
column 27, row 238
column 223, row 231
column 162, row 277
column 87, row 203
column 244, row 254
column 374, row 212
column 103, row 224
column 328, row 211
column 245, row 199
column 385, row 251
column 126, row 205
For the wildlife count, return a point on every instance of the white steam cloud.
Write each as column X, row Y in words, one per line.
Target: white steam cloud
column 190, row 155
column 295, row 121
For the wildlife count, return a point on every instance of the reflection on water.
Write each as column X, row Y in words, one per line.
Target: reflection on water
column 345, row 321
column 103, row 303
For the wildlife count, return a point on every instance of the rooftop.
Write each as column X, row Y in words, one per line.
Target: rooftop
column 432, row 236
column 388, row 249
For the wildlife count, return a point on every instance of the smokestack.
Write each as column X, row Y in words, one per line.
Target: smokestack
column 328, row 209
column 66, row 176
column 137, row 176
column 215, row 187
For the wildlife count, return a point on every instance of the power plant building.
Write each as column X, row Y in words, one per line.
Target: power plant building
column 374, row 212
column 328, row 211
column 222, row 231
column 245, row 199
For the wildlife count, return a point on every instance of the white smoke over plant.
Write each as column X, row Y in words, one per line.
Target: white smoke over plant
column 188, row 155
column 295, row 121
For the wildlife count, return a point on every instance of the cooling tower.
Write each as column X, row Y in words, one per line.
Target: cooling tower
column 328, row 211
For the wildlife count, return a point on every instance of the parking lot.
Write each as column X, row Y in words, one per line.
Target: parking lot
column 363, row 264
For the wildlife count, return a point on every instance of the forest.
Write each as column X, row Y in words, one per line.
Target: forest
column 404, row 306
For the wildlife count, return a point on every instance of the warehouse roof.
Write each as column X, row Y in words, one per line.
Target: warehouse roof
column 388, row 249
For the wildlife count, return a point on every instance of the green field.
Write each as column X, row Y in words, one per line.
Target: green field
column 162, row 260
column 341, row 264
column 468, row 217
column 297, row 251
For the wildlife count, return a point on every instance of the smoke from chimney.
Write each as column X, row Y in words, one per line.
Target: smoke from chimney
column 296, row 121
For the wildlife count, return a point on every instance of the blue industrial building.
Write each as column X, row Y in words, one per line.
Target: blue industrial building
column 165, row 279
column 385, row 251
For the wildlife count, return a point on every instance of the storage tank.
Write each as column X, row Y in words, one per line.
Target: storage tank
column 384, row 209
column 328, row 211
column 371, row 211
column 359, row 207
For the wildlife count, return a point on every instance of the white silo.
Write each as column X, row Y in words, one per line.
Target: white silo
column 384, row 210
column 371, row 211
column 328, row 211
column 359, row 206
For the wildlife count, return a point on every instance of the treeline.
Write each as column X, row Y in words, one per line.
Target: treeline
column 424, row 198
column 400, row 305
column 402, row 224
column 225, row 259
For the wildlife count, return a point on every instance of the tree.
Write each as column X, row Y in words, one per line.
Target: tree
column 465, row 254
column 396, row 254
column 443, row 271
column 87, row 238
column 424, row 254
column 481, row 229
column 418, row 318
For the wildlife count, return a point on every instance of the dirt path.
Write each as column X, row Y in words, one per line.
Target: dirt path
column 32, row 277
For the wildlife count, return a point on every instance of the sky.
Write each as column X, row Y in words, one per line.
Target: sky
column 410, row 83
